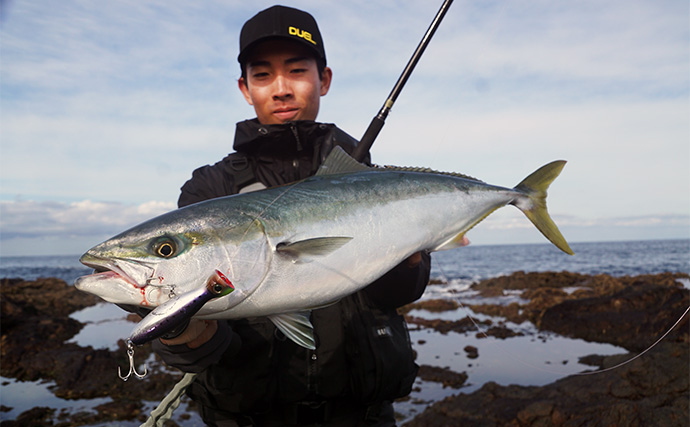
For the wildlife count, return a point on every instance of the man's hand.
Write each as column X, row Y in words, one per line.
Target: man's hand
column 197, row 333
column 414, row 259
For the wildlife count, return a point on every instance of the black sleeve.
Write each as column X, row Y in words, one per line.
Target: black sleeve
column 402, row 285
column 224, row 178
column 196, row 360
column 202, row 186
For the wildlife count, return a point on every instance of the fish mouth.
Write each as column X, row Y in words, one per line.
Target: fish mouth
column 134, row 272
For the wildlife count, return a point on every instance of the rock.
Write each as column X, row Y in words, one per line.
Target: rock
column 632, row 312
column 445, row 326
column 511, row 312
column 442, row 375
column 34, row 417
column 522, row 280
column 432, row 305
column 35, row 326
column 633, row 317
column 500, row 332
column 120, row 410
column 635, row 394
column 44, row 297
column 472, row 352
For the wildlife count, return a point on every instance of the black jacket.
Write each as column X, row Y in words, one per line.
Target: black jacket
column 271, row 154
column 249, row 367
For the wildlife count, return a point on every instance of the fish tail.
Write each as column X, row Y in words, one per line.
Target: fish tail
column 534, row 206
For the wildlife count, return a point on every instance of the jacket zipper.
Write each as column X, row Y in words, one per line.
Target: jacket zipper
column 295, row 161
column 312, row 385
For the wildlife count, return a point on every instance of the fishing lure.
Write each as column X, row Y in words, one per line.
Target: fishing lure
column 172, row 314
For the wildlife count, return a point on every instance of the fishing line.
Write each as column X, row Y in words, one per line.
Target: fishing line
column 541, row 368
column 164, row 411
column 639, row 355
column 485, row 335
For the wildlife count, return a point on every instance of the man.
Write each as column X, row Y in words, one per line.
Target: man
column 250, row 374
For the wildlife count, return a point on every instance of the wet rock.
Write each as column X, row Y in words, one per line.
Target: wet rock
column 433, row 305
column 472, row 352
column 633, row 317
column 123, row 410
column 445, row 326
column 600, row 284
column 34, row 417
column 545, row 292
column 442, row 375
column 45, row 297
column 635, row 394
column 632, row 312
column 511, row 312
column 522, row 280
column 35, row 326
column 592, row 360
column 491, row 292
column 500, row 332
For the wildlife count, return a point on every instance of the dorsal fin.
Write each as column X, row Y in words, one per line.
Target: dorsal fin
column 338, row 161
column 426, row 170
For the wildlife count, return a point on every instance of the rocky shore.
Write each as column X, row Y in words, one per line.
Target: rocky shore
column 630, row 312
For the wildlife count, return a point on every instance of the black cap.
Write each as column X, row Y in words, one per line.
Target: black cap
column 285, row 23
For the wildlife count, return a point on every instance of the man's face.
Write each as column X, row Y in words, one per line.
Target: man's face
column 283, row 82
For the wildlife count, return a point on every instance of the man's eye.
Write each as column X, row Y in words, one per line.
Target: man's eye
column 260, row 75
column 298, row 70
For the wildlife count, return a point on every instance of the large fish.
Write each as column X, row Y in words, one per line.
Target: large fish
column 290, row 249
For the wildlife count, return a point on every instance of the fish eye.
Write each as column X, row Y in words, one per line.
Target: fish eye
column 165, row 248
column 217, row 288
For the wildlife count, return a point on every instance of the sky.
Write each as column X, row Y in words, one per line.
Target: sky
column 107, row 107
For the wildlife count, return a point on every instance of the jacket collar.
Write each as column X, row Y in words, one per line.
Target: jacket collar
column 251, row 136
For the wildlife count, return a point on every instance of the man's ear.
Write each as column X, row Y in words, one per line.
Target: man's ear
column 326, row 78
column 242, row 85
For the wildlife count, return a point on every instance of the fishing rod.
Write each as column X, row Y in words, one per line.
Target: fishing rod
column 379, row 120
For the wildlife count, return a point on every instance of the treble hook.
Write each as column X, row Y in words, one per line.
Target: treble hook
column 132, row 368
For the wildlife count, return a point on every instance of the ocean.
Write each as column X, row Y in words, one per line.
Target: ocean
column 535, row 358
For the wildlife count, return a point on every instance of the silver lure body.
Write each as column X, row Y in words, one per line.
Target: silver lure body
column 179, row 309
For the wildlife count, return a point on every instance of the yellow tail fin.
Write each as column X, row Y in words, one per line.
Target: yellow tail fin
column 534, row 187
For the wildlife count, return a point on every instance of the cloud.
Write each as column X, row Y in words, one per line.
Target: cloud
column 30, row 219
column 120, row 101
column 90, row 221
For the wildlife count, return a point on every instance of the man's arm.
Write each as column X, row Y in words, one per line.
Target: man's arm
column 403, row 284
column 201, row 345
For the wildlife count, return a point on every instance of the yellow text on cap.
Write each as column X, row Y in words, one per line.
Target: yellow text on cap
column 302, row 34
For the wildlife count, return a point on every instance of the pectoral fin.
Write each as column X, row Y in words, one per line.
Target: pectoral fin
column 297, row 327
column 310, row 248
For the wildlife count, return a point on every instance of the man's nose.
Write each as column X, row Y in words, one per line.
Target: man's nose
column 282, row 88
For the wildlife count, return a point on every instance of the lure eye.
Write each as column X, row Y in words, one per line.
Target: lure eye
column 166, row 248
column 218, row 288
